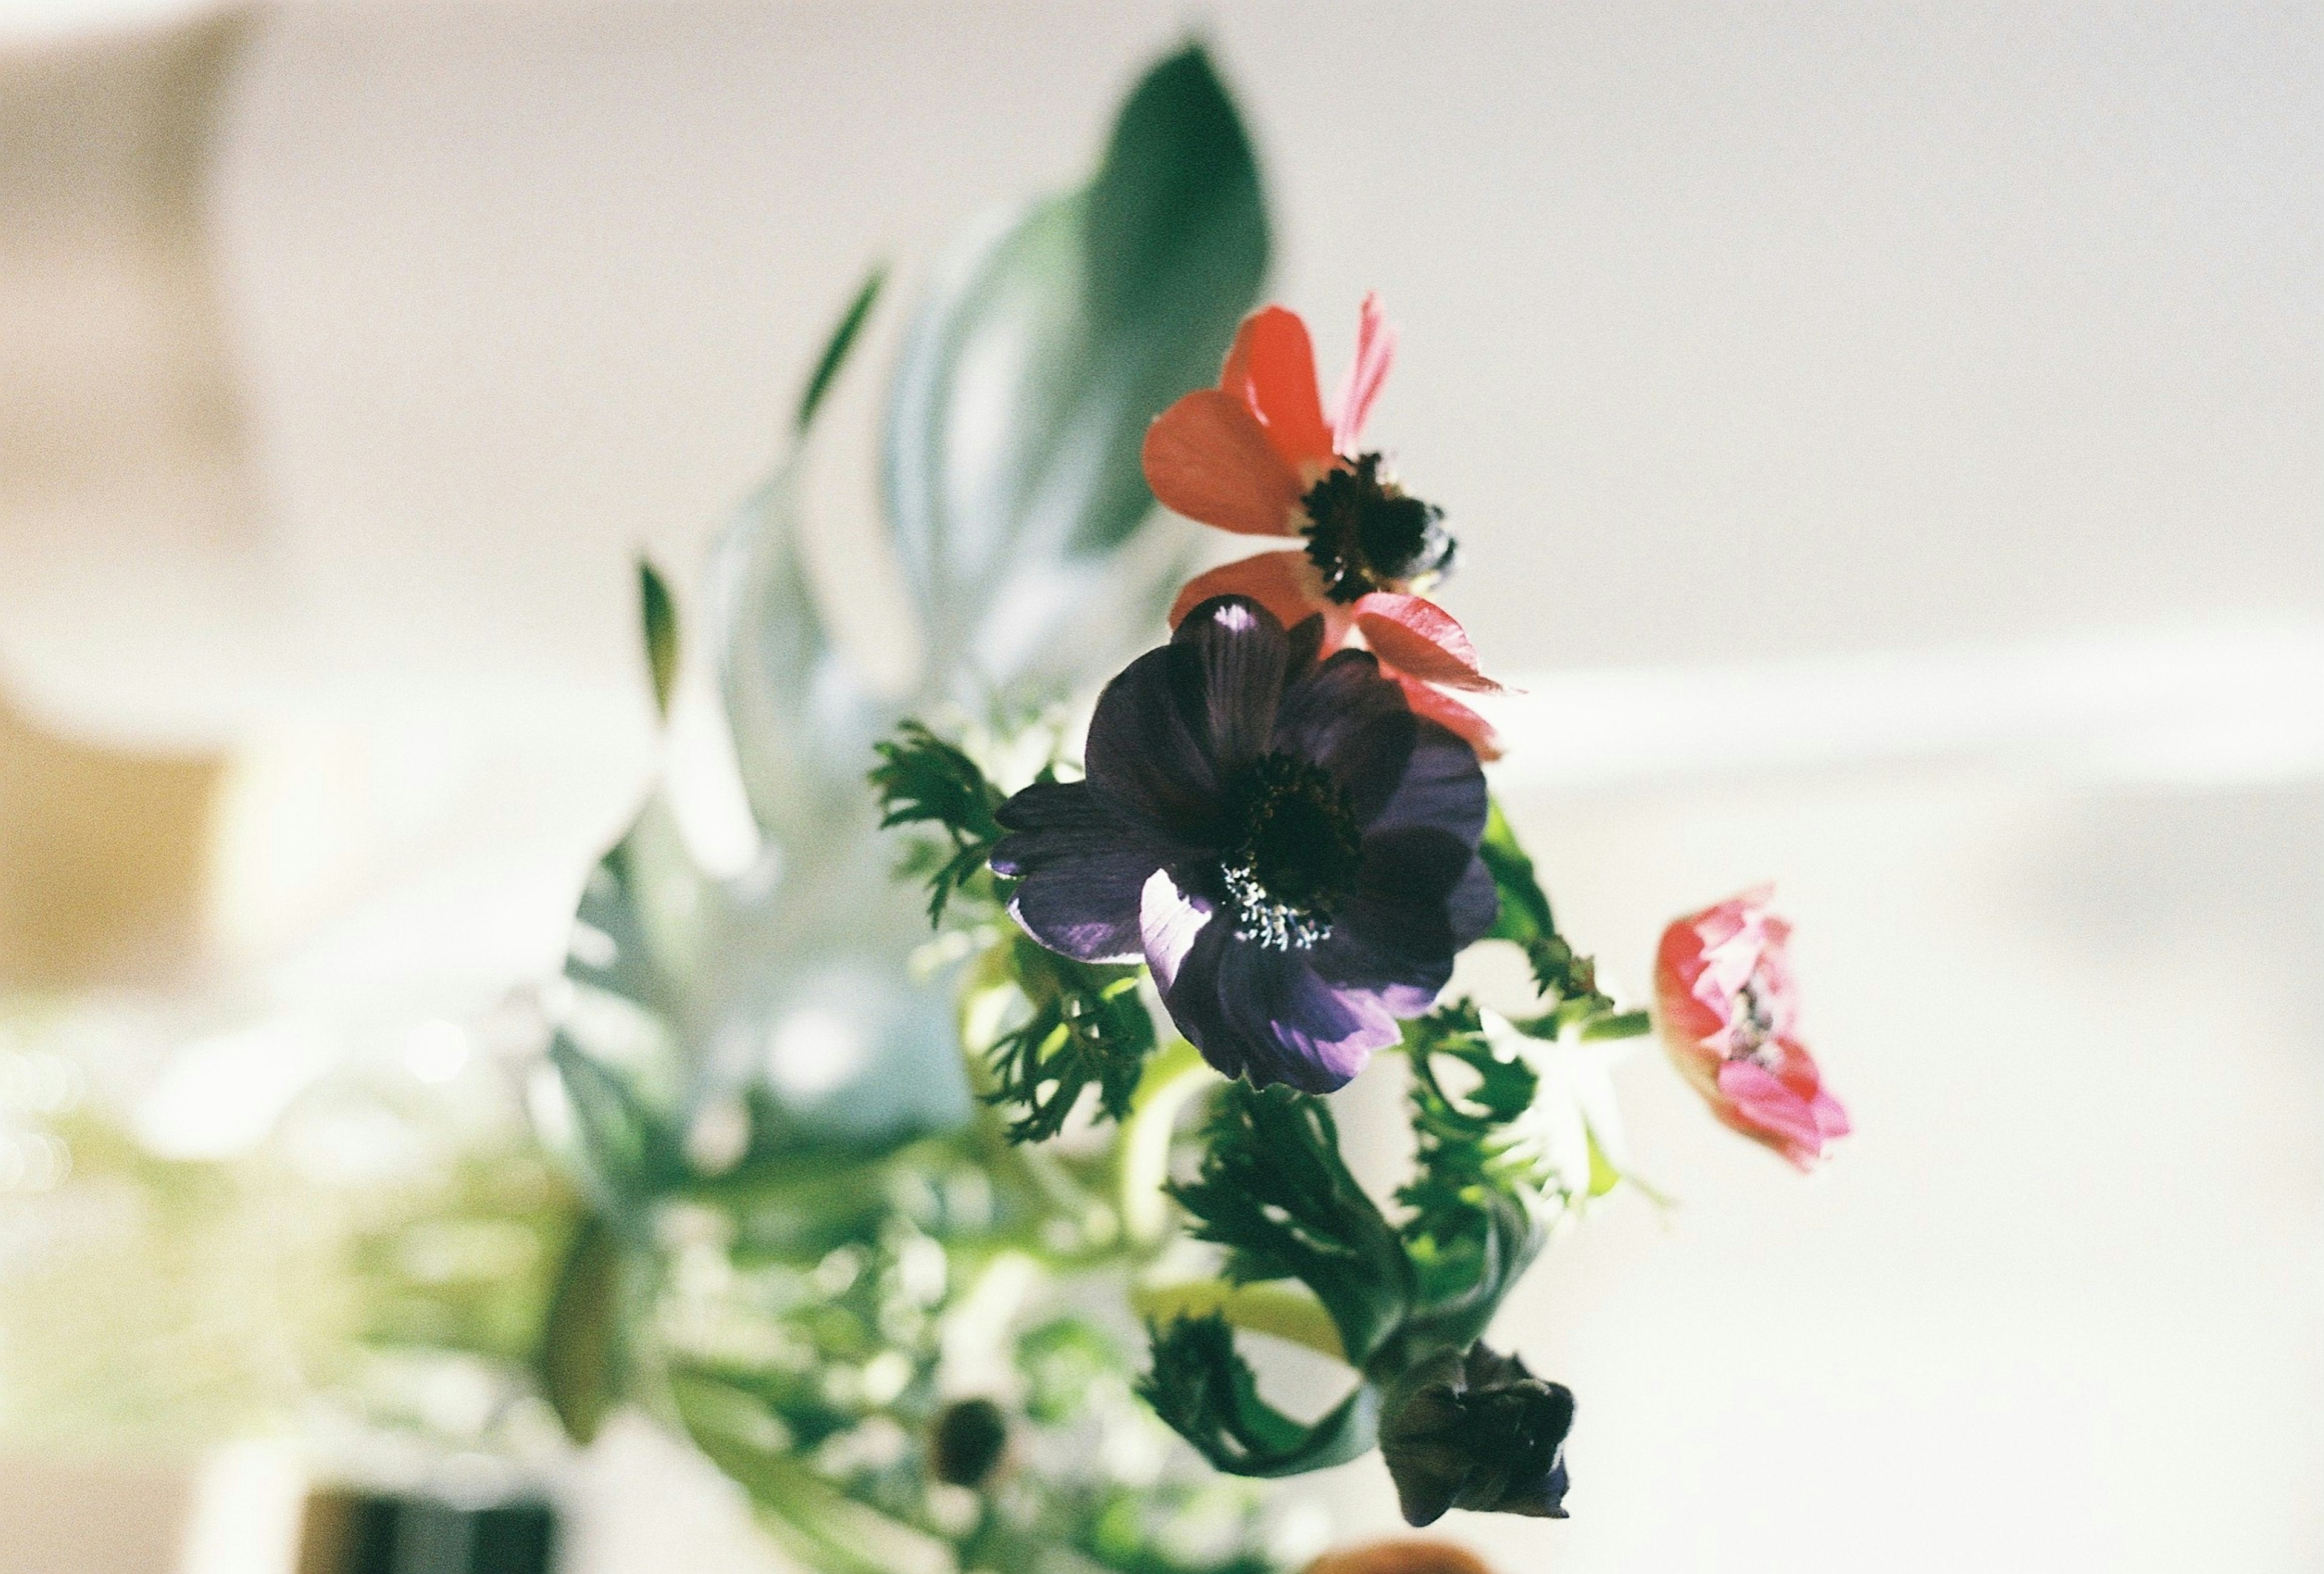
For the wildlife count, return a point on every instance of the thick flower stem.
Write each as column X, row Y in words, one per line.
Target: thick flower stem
column 1266, row 1309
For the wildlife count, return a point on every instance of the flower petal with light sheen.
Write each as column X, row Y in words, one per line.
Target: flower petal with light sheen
column 1452, row 715
column 1208, row 458
column 1149, row 753
column 1286, row 583
column 1421, row 640
column 1169, row 922
column 1286, row 1024
column 1230, row 657
column 1774, row 1114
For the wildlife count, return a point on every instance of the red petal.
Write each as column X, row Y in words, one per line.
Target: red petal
column 1446, row 711
column 1207, row 457
column 1375, row 350
column 1284, row 583
column 1417, row 636
column 1272, row 369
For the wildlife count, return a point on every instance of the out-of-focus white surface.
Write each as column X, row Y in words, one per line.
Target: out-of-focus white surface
column 1726, row 334
column 1890, row 445
column 2054, row 1304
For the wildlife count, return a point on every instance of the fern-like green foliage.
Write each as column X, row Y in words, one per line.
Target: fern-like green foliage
column 923, row 780
column 1072, row 1025
column 1084, row 1025
column 1474, row 1219
column 1275, row 1192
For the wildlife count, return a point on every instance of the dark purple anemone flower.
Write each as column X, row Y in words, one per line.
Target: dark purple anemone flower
column 1288, row 847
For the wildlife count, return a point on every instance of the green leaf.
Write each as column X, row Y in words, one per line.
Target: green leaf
column 1028, row 377
column 1558, row 972
column 834, row 351
column 1524, row 913
column 1065, row 1361
column 1273, row 1190
column 659, row 614
column 815, row 1519
column 577, row 1365
column 1206, row 1393
column 682, row 978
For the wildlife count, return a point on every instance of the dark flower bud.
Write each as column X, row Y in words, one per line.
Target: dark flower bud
column 1471, row 1429
column 967, row 1442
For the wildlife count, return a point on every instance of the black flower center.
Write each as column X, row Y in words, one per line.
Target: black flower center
column 1297, row 856
column 1753, row 1027
column 1365, row 533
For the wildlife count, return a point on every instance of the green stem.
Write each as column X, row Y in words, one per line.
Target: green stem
column 1173, row 1074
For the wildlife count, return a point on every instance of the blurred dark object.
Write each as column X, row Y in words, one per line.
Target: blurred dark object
column 353, row 1531
column 971, row 1437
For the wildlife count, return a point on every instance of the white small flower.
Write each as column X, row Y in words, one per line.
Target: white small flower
column 1572, row 1105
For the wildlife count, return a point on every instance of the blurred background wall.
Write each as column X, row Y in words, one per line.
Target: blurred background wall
column 1891, row 440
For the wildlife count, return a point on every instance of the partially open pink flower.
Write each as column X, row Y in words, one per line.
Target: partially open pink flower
column 1256, row 456
column 1729, row 1013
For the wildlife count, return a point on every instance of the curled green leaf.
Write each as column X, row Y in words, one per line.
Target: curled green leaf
column 1203, row 1389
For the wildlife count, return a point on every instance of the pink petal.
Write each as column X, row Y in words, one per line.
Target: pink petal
column 1285, row 583
column 1450, row 713
column 1375, row 350
column 1207, row 457
column 1831, row 1116
column 1417, row 636
column 1272, row 370
column 1764, row 1107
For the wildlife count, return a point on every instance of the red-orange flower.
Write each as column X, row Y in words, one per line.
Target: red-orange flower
column 1401, row 1557
column 1728, row 1011
column 1255, row 455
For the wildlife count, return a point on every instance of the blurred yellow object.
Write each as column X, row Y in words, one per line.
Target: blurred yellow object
column 103, row 857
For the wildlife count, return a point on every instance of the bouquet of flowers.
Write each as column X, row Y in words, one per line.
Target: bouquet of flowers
column 929, row 1203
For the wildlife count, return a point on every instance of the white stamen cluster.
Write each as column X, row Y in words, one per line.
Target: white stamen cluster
column 1261, row 917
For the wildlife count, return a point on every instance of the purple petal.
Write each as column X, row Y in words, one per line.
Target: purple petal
column 1146, row 753
column 1252, row 1011
column 1179, row 722
column 1239, row 655
column 1081, row 863
column 1421, row 896
column 1345, row 717
column 1169, row 923
column 1190, row 992
column 1291, row 1026
column 1474, row 905
column 1442, row 788
column 1384, row 949
column 1306, row 640
column 1418, row 867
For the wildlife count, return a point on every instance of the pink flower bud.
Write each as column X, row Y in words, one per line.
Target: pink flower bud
column 1729, row 1012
